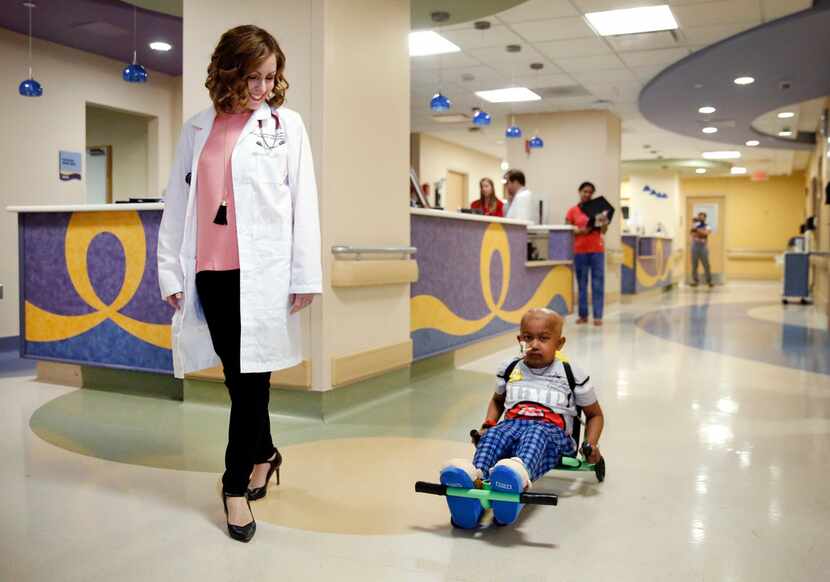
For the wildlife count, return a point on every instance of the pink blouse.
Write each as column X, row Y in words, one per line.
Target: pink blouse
column 217, row 248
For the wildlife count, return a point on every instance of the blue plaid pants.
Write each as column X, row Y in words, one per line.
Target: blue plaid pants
column 540, row 446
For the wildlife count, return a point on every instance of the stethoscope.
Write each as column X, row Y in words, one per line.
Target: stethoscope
column 278, row 134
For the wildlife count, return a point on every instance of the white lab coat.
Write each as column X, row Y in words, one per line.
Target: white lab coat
column 521, row 207
column 278, row 232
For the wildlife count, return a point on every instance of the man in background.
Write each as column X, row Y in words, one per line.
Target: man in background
column 700, row 248
column 519, row 198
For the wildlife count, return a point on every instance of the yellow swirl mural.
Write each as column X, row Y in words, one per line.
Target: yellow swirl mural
column 429, row 312
column 45, row 326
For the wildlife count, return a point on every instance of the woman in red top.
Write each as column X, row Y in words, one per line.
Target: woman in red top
column 487, row 202
column 589, row 255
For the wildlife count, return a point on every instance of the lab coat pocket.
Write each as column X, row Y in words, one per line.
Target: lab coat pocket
column 271, row 164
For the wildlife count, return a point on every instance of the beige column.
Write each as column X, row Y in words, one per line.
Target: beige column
column 348, row 66
column 579, row 146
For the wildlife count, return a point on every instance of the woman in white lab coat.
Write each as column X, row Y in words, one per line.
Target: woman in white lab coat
column 239, row 250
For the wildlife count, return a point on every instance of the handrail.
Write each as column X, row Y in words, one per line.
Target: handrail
column 339, row 250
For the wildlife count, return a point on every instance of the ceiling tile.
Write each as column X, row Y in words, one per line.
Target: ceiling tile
column 555, row 29
column 624, row 91
column 537, row 10
column 723, row 12
column 609, row 76
column 448, row 61
column 575, row 47
column 643, row 42
column 536, row 81
column 656, row 57
column 704, row 35
column 471, row 38
column 584, row 64
column 600, row 5
column 510, row 63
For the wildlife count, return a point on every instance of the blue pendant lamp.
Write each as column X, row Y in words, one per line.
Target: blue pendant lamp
column 535, row 143
column 29, row 87
column 135, row 73
column 440, row 103
column 514, row 131
column 481, row 117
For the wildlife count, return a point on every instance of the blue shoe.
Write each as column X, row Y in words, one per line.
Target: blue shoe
column 508, row 476
column 465, row 513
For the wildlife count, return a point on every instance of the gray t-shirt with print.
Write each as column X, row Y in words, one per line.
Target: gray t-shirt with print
column 548, row 387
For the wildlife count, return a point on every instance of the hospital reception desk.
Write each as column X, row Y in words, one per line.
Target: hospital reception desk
column 475, row 280
column 648, row 263
column 89, row 291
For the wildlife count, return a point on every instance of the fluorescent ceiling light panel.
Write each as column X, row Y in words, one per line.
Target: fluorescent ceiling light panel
column 709, row 130
column 427, row 42
column 632, row 20
column 738, row 170
column 721, row 155
column 700, row 171
column 785, row 133
column 786, row 115
column 707, row 110
column 752, row 143
column 508, row 95
column 744, row 81
column 160, row 46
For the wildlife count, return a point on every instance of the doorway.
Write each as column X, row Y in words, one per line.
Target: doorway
column 715, row 209
column 457, row 191
column 99, row 174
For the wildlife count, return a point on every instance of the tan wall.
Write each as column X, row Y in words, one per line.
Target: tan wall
column 35, row 129
column 365, row 168
column 646, row 210
column 128, row 136
column 579, row 146
column 760, row 216
column 439, row 156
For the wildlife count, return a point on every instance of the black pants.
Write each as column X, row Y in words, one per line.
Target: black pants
column 249, row 432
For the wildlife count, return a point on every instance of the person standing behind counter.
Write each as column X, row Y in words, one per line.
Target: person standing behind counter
column 488, row 203
column 589, row 255
column 519, row 197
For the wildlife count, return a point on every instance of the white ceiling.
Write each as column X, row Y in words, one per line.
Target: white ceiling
column 612, row 70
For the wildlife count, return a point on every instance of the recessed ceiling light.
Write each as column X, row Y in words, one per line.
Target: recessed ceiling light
column 426, row 42
column 709, row 130
column 737, row 170
column 785, row 133
column 508, row 95
column 752, row 143
column 744, row 81
column 707, row 110
column 786, row 115
column 722, row 155
column 700, row 171
column 632, row 20
column 160, row 45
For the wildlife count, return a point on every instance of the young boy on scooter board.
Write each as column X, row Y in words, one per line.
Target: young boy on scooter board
column 539, row 395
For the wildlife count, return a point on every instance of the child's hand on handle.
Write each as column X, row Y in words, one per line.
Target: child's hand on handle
column 591, row 452
column 175, row 300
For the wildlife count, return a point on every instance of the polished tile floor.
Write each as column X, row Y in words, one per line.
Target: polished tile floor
column 717, row 443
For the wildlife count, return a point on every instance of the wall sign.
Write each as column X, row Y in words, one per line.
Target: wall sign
column 69, row 165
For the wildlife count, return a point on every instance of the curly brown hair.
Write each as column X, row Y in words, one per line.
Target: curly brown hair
column 240, row 51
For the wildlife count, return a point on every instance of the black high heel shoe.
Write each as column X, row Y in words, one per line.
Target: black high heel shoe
column 259, row 492
column 241, row 533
